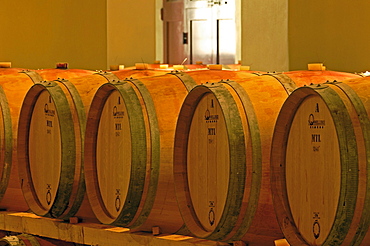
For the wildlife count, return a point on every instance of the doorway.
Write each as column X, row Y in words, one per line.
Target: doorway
column 201, row 31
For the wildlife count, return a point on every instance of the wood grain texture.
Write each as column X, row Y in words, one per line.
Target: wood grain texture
column 45, row 149
column 313, row 170
column 208, row 168
column 57, row 193
column 324, row 171
column 15, row 86
column 160, row 98
column 302, row 78
column 143, row 134
column 262, row 98
column 183, row 143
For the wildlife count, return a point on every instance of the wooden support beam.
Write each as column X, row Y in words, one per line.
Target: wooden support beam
column 91, row 233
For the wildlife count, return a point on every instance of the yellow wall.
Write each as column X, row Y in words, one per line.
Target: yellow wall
column 131, row 31
column 38, row 34
column 88, row 34
column 333, row 32
column 265, row 34
column 97, row 33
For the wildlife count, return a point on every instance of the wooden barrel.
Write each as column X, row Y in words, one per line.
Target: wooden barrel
column 51, row 133
column 169, row 66
column 302, row 78
column 137, row 73
column 222, row 157
column 319, row 164
column 129, row 149
column 6, row 71
column 31, row 240
column 52, row 73
column 14, row 86
column 51, row 130
column 200, row 76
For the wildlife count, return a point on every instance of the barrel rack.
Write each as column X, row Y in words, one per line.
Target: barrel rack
column 91, row 233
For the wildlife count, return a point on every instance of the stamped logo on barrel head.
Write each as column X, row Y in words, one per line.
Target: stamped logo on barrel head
column 315, row 124
column 49, row 112
column 211, row 214
column 316, row 225
column 48, row 194
column 117, row 114
column 210, row 118
column 117, row 201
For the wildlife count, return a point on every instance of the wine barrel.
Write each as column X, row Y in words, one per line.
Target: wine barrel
column 222, row 156
column 200, row 76
column 31, row 240
column 138, row 73
column 52, row 73
column 51, row 133
column 302, row 78
column 14, row 84
column 319, row 164
column 6, row 71
column 129, row 146
column 157, row 66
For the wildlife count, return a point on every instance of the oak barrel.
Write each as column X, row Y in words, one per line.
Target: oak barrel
column 129, row 146
column 51, row 135
column 6, row 71
column 14, row 85
column 319, row 164
column 222, row 156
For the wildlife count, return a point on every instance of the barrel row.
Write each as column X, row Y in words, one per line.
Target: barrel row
column 53, row 111
column 173, row 151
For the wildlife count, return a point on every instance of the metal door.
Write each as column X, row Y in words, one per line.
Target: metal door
column 211, row 29
column 200, row 30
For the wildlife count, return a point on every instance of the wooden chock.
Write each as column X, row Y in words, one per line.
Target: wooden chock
column 114, row 67
column 245, row 68
column 239, row 243
column 215, row 66
column 62, row 65
column 141, row 66
column 316, row 67
column 178, row 67
column 74, row 220
column 5, row 64
column 281, row 242
column 156, row 230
